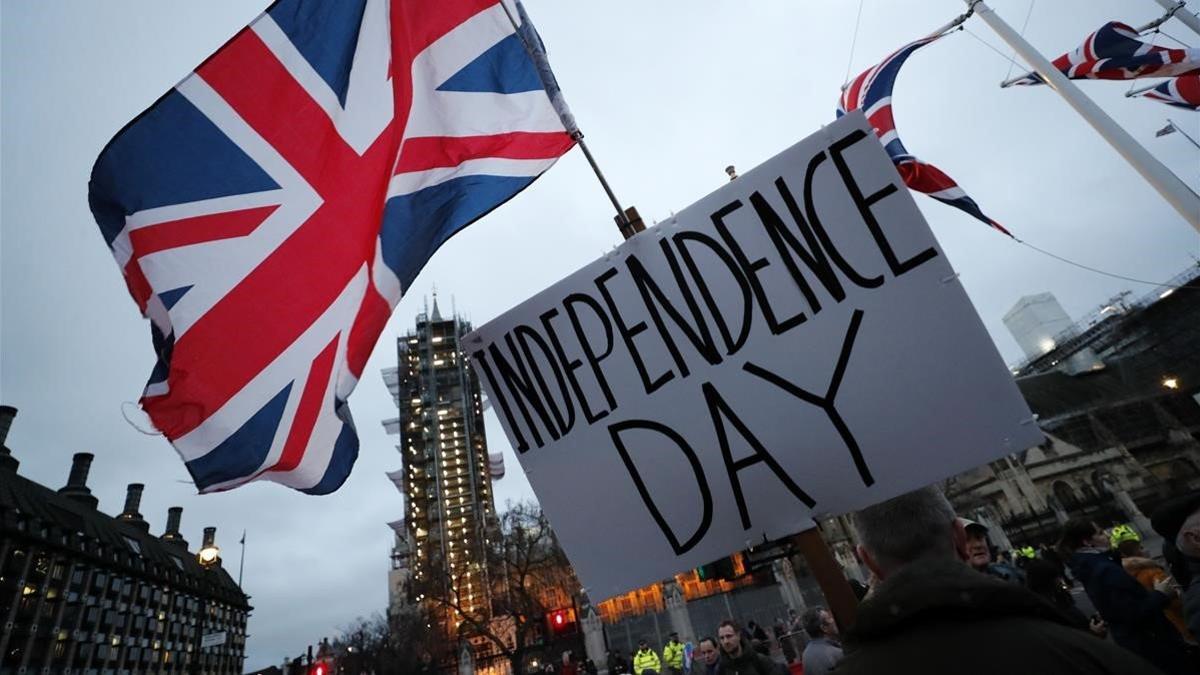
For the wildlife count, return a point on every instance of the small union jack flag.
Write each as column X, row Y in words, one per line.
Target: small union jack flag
column 270, row 210
column 1183, row 92
column 1116, row 52
column 871, row 92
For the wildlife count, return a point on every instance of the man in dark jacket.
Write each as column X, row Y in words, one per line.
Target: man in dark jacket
column 737, row 658
column 932, row 614
column 709, row 661
column 1134, row 615
column 1178, row 521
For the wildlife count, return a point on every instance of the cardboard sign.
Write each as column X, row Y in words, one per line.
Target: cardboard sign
column 794, row 345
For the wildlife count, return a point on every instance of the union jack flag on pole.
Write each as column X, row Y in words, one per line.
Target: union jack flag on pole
column 871, row 92
column 1116, row 52
column 269, row 211
column 1182, row 92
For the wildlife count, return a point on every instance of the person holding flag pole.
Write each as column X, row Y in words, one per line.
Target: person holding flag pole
column 1174, row 190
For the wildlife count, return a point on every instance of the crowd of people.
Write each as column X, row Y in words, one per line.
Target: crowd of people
column 926, row 611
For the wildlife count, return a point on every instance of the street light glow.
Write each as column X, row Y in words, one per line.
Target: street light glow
column 208, row 555
column 1170, row 382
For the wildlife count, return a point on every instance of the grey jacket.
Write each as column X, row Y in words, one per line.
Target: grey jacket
column 820, row 656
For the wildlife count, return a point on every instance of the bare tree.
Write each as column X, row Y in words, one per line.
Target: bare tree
column 381, row 644
column 529, row 575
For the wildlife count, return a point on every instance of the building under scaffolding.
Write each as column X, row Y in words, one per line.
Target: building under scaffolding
column 1118, row 395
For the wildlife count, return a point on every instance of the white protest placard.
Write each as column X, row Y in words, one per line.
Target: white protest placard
column 794, row 345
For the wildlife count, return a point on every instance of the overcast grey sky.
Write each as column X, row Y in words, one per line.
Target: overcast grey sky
column 668, row 93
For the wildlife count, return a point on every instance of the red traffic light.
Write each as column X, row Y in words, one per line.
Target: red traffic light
column 561, row 621
column 318, row 669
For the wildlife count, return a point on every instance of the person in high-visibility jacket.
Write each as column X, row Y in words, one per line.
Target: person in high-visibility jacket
column 673, row 655
column 645, row 661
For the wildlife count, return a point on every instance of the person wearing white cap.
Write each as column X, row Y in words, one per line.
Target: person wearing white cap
column 979, row 554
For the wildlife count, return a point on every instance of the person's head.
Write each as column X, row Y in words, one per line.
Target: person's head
column 1178, row 521
column 642, row 645
column 426, row 658
column 978, row 554
column 1188, row 539
column 1043, row 577
column 730, row 636
column 920, row 525
column 673, row 637
column 708, row 651
column 1131, row 548
column 566, row 657
column 818, row 622
column 1080, row 533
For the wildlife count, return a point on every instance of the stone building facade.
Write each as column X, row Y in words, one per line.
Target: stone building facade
column 85, row 592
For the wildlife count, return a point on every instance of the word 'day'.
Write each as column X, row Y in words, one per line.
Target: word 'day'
column 793, row 345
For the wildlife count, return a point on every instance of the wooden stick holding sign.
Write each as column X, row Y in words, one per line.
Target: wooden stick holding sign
column 842, row 601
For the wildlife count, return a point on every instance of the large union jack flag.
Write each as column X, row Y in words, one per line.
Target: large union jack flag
column 1182, row 92
column 1116, row 52
column 871, row 92
column 270, row 210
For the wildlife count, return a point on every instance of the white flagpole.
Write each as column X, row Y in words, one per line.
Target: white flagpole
column 1185, row 134
column 958, row 21
column 1181, row 12
column 1141, row 90
column 1178, row 194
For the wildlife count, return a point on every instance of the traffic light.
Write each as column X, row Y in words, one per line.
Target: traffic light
column 561, row 622
column 318, row 669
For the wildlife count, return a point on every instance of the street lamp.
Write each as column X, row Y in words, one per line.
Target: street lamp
column 209, row 553
column 1170, row 382
column 208, row 557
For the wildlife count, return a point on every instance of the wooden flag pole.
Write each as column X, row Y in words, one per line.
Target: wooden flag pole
column 828, row 573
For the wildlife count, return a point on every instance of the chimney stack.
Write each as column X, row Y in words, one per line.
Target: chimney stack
column 76, row 487
column 210, row 542
column 172, row 535
column 133, row 500
column 7, row 461
column 210, row 537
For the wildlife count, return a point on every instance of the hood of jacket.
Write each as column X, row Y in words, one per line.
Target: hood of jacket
column 935, row 591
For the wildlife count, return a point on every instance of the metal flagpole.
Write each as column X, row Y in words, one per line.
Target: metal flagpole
column 628, row 221
column 1185, row 134
column 1179, row 195
column 958, row 21
column 242, row 564
column 1141, row 90
column 1180, row 12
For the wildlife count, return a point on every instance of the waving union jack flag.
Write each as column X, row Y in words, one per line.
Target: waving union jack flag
column 1115, row 52
column 270, row 210
column 871, row 92
column 1182, row 92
